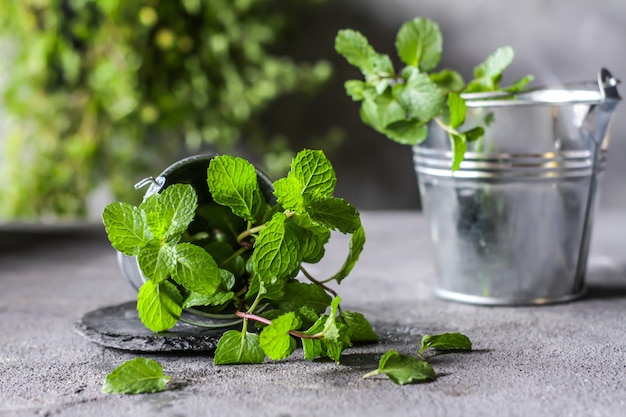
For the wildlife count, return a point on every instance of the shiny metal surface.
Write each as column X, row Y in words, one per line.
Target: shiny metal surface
column 512, row 225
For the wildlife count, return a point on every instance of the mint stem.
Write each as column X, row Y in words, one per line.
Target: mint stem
column 321, row 284
column 250, row 316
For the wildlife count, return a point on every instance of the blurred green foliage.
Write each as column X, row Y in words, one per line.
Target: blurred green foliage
column 97, row 91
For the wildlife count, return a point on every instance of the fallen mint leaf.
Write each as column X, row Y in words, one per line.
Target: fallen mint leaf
column 136, row 376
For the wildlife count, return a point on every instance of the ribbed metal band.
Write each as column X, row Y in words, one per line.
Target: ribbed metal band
column 504, row 166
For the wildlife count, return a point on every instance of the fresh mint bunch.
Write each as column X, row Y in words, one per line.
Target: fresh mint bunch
column 241, row 255
column 401, row 104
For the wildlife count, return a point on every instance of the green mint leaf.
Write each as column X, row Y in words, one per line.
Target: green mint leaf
column 277, row 249
column 419, row 43
column 355, row 48
column 311, row 177
column 488, row 74
column 218, row 299
column 474, row 134
column 314, row 172
column 355, row 89
column 448, row 80
column 519, row 84
column 270, row 288
column 335, row 335
column 126, row 227
column 357, row 241
column 159, row 305
column 445, row 341
column 235, row 347
column 169, row 213
column 313, row 348
column 136, row 376
column 195, row 269
column 157, row 261
column 403, row 369
column 288, row 192
column 275, row 339
column 457, row 108
column 419, row 96
column 335, row 214
column 459, row 146
column 381, row 111
column 298, row 295
column 360, row 329
column 233, row 183
column 407, row 132
column 313, row 238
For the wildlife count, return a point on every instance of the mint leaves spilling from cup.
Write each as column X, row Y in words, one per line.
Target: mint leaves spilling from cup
column 400, row 105
column 239, row 255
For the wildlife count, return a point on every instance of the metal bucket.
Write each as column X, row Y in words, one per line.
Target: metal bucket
column 512, row 225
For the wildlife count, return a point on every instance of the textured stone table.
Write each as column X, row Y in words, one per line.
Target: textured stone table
column 565, row 360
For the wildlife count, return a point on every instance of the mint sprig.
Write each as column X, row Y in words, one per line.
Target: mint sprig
column 401, row 104
column 240, row 254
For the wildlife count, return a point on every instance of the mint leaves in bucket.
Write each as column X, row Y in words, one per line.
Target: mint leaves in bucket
column 402, row 104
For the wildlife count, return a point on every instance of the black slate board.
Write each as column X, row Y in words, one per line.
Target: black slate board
column 119, row 327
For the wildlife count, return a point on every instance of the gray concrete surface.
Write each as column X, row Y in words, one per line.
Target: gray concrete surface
column 560, row 360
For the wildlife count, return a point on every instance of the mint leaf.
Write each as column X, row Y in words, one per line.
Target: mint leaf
column 169, row 213
column 355, row 48
column 196, row 270
column 233, row 183
column 381, row 111
column 459, row 146
column 275, row 339
column 159, row 305
column 277, row 249
column 288, row 192
column 403, row 369
column 217, row 299
column 157, row 262
column 235, row 347
column 419, row 43
column 298, row 295
column 488, row 74
column 357, row 242
column 313, row 348
column 335, row 214
column 335, row 335
column 312, row 237
column 136, row 376
column 407, row 132
column 360, row 329
column 126, row 227
column 474, row 134
column 457, row 108
column 445, row 341
column 355, row 89
column 314, row 172
column 519, row 84
column 419, row 96
column 448, row 80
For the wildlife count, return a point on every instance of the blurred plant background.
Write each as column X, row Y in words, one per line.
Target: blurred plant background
column 97, row 92
column 102, row 93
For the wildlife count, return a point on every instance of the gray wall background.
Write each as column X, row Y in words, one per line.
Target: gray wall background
column 555, row 40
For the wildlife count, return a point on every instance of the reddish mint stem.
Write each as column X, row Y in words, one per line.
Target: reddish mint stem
column 250, row 316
